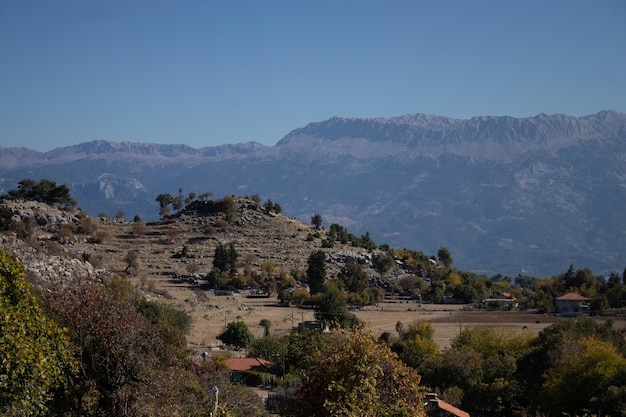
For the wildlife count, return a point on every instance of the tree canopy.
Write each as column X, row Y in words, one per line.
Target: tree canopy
column 236, row 334
column 44, row 191
column 359, row 378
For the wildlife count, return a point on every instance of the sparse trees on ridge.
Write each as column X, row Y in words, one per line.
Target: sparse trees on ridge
column 44, row 191
column 316, row 221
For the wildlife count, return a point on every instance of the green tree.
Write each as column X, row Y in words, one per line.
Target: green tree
column 36, row 358
column 267, row 325
column 382, row 263
column 545, row 350
column 236, row 334
column 332, row 308
column 44, row 191
column 316, row 271
column 353, row 277
column 581, row 374
column 225, row 259
column 359, row 378
column 481, row 363
column 316, row 220
column 437, row 290
column 164, row 201
column 444, row 256
column 415, row 343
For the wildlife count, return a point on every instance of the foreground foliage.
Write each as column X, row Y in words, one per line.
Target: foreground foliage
column 130, row 363
column 35, row 353
column 359, row 377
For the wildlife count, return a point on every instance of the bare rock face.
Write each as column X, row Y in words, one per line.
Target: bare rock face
column 46, row 263
column 48, row 218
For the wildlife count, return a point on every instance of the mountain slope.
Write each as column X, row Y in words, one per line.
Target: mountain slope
column 508, row 195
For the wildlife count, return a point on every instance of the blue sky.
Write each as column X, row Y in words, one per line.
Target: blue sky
column 205, row 73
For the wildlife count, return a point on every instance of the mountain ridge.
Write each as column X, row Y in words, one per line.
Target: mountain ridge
column 530, row 195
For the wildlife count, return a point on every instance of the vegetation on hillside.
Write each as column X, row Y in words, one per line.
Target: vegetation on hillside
column 101, row 348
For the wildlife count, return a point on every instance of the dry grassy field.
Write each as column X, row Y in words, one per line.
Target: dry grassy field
column 211, row 313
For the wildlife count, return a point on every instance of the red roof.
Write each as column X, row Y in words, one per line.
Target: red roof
column 448, row 408
column 452, row 409
column 246, row 364
column 572, row 296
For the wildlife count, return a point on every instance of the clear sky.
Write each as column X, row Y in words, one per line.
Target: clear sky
column 205, row 73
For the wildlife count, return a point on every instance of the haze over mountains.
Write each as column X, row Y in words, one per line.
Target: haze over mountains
column 505, row 195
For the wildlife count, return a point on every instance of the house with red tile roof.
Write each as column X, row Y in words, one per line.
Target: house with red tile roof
column 245, row 370
column 247, row 364
column 572, row 304
column 435, row 407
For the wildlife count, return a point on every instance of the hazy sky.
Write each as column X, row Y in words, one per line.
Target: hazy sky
column 205, row 73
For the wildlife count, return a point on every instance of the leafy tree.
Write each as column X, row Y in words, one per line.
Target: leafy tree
column 481, row 363
column 411, row 284
column 339, row 233
column 225, row 259
column 44, row 191
column 271, row 348
column 236, row 334
column 305, row 348
column 316, row 271
column 444, row 256
column 164, row 201
column 581, row 374
column 437, row 290
column 365, row 242
column 382, row 263
column 416, row 343
column 353, row 277
column 359, row 378
column 316, row 220
column 545, row 350
column 36, row 358
column 267, row 325
column 332, row 308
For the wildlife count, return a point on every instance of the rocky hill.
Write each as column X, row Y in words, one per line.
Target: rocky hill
column 169, row 259
column 505, row 195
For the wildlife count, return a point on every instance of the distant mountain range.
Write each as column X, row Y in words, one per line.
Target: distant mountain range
column 504, row 195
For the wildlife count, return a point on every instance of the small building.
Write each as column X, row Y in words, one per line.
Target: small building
column 572, row 304
column 312, row 325
column 247, row 364
column 242, row 370
column 501, row 301
column 435, row 407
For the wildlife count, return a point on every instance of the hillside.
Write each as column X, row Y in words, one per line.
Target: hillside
column 55, row 257
column 506, row 195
